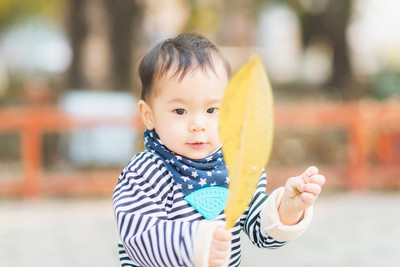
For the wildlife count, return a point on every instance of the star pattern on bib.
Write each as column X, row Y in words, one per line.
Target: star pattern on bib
column 189, row 174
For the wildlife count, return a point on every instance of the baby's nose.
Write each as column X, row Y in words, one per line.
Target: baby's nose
column 197, row 124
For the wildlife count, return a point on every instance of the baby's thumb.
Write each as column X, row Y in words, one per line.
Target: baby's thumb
column 222, row 234
column 310, row 171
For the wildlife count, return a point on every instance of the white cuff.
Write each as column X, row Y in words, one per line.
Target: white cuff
column 271, row 223
column 202, row 242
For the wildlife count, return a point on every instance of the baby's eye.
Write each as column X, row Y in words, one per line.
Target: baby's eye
column 212, row 110
column 180, row 111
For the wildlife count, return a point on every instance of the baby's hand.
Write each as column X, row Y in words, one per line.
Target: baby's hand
column 220, row 247
column 300, row 193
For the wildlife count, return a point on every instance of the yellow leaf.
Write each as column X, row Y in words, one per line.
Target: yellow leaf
column 246, row 133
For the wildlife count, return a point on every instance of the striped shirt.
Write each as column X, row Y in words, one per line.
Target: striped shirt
column 157, row 226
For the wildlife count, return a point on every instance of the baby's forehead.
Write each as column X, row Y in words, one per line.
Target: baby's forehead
column 160, row 87
column 175, row 75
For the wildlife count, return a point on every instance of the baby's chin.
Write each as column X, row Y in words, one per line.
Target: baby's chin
column 197, row 155
column 195, row 152
column 194, row 156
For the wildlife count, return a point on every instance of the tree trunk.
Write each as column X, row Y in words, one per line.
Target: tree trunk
column 331, row 24
column 77, row 32
column 125, row 22
column 102, row 34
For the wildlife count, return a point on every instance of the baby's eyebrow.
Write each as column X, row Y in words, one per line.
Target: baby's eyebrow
column 214, row 100
column 180, row 100
column 176, row 100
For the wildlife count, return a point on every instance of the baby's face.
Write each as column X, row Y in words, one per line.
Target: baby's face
column 185, row 113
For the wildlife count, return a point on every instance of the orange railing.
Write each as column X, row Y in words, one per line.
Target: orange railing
column 32, row 123
column 358, row 119
column 371, row 128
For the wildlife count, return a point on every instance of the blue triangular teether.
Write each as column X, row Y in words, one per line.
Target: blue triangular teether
column 209, row 201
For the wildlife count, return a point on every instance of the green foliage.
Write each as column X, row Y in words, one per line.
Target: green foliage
column 204, row 16
column 386, row 84
column 13, row 11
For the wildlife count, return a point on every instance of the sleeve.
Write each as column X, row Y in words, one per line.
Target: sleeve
column 203, row 242
column 251, row 222
column 272, row 224
column 149, row 238
column 262, row 223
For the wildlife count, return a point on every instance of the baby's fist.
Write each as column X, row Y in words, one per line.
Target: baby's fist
column 220, row 247
column 303, row 190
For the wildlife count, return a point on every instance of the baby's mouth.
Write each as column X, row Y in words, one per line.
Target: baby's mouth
column 197, row 144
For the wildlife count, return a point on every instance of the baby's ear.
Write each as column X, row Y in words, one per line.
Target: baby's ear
column 146, row 114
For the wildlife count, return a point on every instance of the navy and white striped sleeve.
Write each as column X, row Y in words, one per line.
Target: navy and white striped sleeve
column 140, row 199
column 251, row 220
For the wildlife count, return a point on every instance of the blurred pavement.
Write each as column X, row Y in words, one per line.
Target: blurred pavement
column 347, row 230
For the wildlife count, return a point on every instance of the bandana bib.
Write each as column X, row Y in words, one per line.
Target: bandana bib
column 204, row 182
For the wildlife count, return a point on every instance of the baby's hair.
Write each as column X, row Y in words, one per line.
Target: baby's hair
column 186, row 52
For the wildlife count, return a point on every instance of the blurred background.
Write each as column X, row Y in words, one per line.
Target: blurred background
column 68, row 121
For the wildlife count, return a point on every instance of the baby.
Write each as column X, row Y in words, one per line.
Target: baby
column 183, row 82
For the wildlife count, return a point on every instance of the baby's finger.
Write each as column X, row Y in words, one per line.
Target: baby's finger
column 313, row 189
column 295, row 181
column 222, row 235
column 221, row 246
column 216, row 262
column 310, row 171
column 220, row 254
column 307, row 198
column 293, row 186
column 316, row 179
